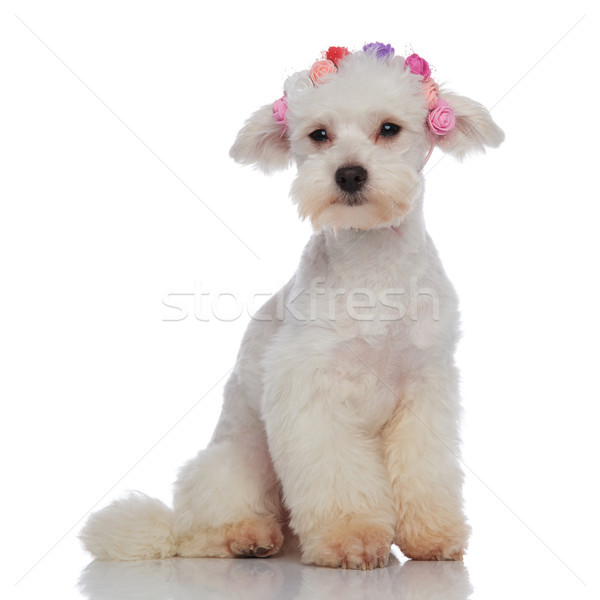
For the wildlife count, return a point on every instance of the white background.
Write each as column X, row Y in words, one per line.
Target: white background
column 116, row 191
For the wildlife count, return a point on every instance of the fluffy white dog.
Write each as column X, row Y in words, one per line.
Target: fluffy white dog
column 341, row 416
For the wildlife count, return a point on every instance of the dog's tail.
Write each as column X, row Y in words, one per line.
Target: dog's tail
column 136, row 527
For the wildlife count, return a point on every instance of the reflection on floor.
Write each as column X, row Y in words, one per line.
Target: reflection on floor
column 268, row 579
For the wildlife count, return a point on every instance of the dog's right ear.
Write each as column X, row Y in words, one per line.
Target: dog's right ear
column 262, row 142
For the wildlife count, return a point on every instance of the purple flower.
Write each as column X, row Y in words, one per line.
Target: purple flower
column 381, row 51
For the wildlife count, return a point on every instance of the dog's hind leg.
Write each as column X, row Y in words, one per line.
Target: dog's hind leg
column 227, row 500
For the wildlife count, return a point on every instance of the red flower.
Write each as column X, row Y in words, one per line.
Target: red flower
column 336, row 53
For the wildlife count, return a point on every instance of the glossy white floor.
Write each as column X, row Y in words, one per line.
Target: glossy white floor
column 512, row 564
column 120, row 213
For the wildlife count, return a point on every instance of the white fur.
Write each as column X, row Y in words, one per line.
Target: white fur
column 145, row 530
column 341, row 418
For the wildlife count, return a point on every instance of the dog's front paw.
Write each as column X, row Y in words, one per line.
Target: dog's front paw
column 441, row 550
column 425, row 544
column 351, row 544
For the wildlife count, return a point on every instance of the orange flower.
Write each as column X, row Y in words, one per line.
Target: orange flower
column 430, row 89
column 320, row 69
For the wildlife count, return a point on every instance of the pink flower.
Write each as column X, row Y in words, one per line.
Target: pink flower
column 430, row 90
column 441, row 119
column 320, row 69
column 418, row 66
column 280, row 110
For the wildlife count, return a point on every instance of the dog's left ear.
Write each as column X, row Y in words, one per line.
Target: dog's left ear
column 262, row 142
column 475, row 129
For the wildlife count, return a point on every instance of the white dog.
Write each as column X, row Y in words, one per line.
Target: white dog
column 341, row 416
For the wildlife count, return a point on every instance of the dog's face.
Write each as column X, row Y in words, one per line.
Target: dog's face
column 359, row 142
column 359, row 139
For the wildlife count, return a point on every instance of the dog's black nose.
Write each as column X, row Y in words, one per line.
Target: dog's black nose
column 351, row 179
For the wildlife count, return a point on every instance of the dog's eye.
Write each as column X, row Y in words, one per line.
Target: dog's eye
column 319, row 135
column 389, row 130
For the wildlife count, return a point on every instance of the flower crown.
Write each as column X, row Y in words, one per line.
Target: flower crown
column 440, row 118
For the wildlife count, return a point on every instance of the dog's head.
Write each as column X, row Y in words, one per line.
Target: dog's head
column 360, row 127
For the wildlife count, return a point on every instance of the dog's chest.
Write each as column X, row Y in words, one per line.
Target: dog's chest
column 373, row 287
